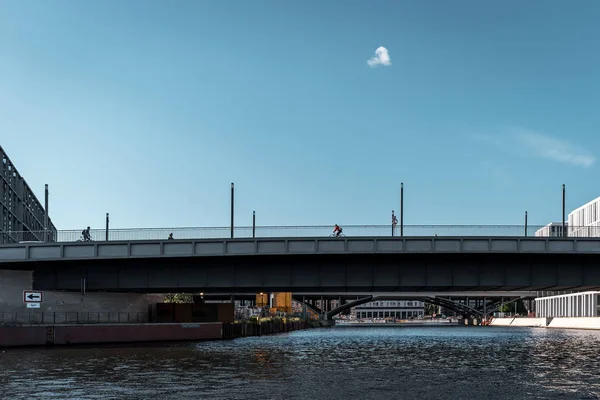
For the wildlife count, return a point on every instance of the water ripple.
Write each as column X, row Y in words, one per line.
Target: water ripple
column 368, row 363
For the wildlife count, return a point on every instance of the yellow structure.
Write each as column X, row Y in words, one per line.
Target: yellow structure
column 282, row 302
column 262, row 299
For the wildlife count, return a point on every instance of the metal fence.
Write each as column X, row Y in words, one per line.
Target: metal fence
column 54, row 318
column 97, row 235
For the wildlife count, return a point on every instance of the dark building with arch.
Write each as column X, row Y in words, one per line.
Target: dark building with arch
column 21, row 213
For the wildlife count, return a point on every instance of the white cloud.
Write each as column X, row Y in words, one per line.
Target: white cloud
column 528, row 143
column 382, row 57
column 555, row 149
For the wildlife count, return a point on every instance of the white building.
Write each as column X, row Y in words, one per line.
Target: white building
column 584, row 304
column 553, row 229
column 585, row 220
column 398, row 309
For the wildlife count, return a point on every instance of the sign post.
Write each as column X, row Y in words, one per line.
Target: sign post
column 32, row 296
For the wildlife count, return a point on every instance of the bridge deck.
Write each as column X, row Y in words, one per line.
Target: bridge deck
column 36, row 252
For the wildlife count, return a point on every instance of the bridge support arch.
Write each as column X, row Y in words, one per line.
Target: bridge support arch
column 448, row 303
column 347, row 306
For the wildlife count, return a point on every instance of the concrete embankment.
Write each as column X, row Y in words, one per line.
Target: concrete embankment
column 70, row 334
column 562, row 323
column 468, row 321
column 238, row 330
column 42, row 335
column 522, row 322
column 575, row 323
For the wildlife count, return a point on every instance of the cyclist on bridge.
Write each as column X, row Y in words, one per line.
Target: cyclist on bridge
column 337, row 230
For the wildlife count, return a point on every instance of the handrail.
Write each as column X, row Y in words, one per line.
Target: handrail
column 71, row 317
column 273, row 231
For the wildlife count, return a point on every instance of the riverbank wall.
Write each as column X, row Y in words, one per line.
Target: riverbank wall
column 238, row 330
column 77, row 334
column 522, row 322
column 48, row 335
column 468, row 321
column 557, row 322
column 575, row 323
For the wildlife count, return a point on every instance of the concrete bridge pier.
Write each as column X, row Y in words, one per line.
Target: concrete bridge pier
column 60, row 306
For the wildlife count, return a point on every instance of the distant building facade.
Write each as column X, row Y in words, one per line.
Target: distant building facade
column 553, row 229
column 398, row 309
column 21, row 214
column 585, row 220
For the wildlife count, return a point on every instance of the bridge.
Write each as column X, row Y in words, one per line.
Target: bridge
column 488, row 302
column 297, row 264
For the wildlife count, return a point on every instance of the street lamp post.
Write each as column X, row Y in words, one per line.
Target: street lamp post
column 107, row 222
column 564, row 231
column 401, row 209
column 232, row 210
column 46, row 217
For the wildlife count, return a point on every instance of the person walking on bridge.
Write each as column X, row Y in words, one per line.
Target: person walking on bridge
column 86, row 235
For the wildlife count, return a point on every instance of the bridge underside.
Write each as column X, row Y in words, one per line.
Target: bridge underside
column 325, row 273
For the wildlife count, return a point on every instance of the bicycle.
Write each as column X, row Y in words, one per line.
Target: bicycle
column 334, row 235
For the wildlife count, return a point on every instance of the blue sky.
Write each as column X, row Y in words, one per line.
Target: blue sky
column 149, row 110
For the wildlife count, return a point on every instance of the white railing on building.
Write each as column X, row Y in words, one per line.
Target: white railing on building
column 583, row 304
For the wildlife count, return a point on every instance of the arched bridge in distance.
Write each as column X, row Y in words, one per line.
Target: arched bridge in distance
column 337, row 265
column 489, row 303
column 459, row 307
column 450, row 304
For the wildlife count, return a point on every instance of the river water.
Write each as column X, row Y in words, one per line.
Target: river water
column 338, row 363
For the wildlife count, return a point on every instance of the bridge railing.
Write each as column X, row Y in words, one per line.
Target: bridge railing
column 58, row 317
column 295, row 231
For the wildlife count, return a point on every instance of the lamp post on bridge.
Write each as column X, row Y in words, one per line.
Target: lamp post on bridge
column 401, row 209
column 564, row 231
column 46, row 217
column 232, row 210
column 107, row 221
column 525, row 223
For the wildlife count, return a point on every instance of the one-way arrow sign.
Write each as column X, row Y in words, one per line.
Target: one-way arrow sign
column 31, row 296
